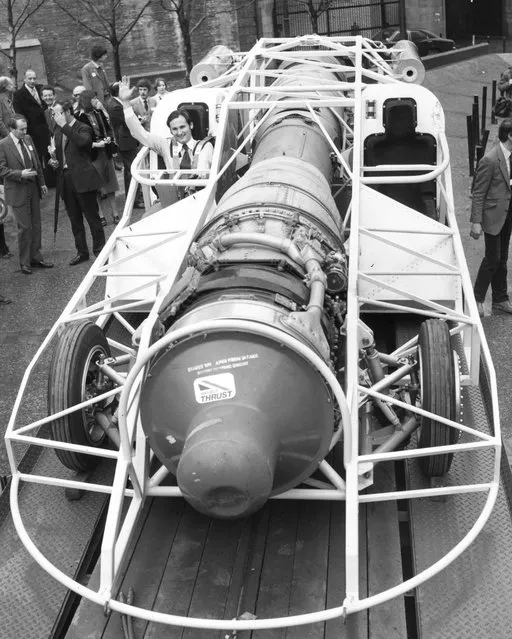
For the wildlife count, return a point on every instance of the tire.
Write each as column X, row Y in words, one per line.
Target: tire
column 69, row 383
column 438, row 394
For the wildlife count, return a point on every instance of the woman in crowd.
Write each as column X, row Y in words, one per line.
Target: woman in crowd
column 103, row 146
column 161, row 90
column 6, row 113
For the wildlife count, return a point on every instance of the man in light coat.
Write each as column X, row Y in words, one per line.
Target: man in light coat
column 491, row 213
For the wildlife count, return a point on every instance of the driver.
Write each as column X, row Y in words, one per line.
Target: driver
column 181, row 150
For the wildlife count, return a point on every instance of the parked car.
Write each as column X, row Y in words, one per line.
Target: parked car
column 426, row 41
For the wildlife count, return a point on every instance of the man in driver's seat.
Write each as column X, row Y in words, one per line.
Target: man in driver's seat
column 181, row 150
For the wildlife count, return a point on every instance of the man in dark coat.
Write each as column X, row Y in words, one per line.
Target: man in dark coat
column 79, row 178
column 93, row 73
column 23, row 187
column 28, row 102
column 128, row 145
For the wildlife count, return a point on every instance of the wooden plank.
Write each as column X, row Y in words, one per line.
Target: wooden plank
column 181, row 573
column 244, row 587
column 211, row 591
column 277, row 572
column 387, row 621
column 309, row 582
column 148, row 562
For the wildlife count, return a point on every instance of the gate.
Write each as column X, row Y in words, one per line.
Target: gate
column 341, row 17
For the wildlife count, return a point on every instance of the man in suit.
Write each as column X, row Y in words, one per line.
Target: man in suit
column 128, row 145
column 28, row 102
column 80, row 180
column 491, row 212
column 93, row 73
column 49, row 98
column 23, row 188
column 143, row 105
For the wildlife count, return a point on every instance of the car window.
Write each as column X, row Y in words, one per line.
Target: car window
column 429, row 34
column 417, row 36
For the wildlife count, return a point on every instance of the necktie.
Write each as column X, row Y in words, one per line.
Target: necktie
column 26, row 155
column 145, row 104
column 510, row 167
column 186, row 162
column 35, row 94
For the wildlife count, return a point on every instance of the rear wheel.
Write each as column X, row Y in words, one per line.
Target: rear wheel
column 438, row 393
column 74, row 377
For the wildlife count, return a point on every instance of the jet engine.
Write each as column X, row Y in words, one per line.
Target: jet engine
column 235, row 415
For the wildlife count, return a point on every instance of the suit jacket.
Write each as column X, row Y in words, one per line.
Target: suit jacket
column 27, row 105
column 105, row 128
column 16, row 189
column 125, row 140
column 491, row 192
column 140, row 111
column 95, row 79
column 78, row 156
column 50, row 122
column 6, row 113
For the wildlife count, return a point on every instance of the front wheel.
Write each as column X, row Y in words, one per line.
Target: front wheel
column 75, row 377
column 438, row 393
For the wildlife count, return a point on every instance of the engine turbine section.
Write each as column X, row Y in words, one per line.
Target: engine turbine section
column 236, row 415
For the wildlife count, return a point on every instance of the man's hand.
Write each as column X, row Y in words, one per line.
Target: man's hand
column 44, row 190
column 124, row 89
column 99, row 145
column 53, row 163
column 59, row 119
column 28, row 173
column 476, row 231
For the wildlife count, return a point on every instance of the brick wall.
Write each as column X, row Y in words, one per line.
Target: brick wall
column 153, row 47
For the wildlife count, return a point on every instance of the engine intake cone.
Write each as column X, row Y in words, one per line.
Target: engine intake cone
column 227, row 465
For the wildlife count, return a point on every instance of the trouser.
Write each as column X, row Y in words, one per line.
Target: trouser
column 3, row 245
column 127, row 157
column 78, row 206
column 493, row 269
column 28, row 220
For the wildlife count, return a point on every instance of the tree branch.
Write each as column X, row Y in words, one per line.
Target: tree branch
column 134, row 21
column 200, row 21
column 18, row 26
column 81, row 22
column 89, row 5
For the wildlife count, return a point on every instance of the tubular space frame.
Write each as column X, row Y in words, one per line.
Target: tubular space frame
column 131, row 461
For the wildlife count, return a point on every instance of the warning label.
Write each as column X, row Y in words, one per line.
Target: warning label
column 214, row 388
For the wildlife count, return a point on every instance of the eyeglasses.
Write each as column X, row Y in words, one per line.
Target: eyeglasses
column 76, row 95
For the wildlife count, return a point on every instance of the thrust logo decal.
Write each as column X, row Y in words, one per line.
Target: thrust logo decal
column 214, row 388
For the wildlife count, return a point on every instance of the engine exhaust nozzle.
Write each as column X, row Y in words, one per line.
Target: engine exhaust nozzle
column 227, row 465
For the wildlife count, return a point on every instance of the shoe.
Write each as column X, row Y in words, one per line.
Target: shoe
column 480, row 307
column 4, row 301
column 79, row 258
column 504, row 307
column 138, row 204
column 115, row 219
column 103, row 221
column 5, row 255
column 26, row 270
column 41, row 264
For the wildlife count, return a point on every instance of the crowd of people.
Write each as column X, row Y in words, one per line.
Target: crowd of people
column 75, row 144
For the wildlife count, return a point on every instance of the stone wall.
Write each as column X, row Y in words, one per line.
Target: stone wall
column 152, row 48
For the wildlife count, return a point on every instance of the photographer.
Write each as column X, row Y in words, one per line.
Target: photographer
column 103, row 147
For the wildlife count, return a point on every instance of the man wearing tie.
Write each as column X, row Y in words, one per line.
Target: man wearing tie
column 93, row 73
column 80, row 179
column 143, row 105
column 180, row 150
column 28, row 103
column 491, row 212
column 23, row 188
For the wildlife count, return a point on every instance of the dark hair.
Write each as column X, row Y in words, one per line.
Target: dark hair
column 157, row 82
column 176, row 114
column 85, row 100
column 97, row 52
column 47, row 87
column 143, row 83
column 504, row 129
column 67, row 105
column 15, row 118
column 114, row 89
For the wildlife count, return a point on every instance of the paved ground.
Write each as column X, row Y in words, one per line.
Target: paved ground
column 39, row 299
